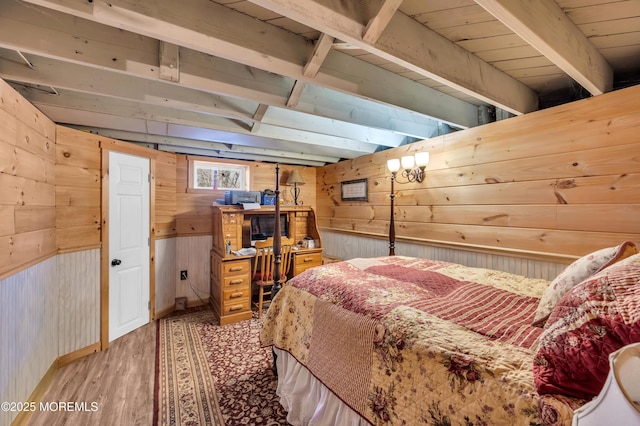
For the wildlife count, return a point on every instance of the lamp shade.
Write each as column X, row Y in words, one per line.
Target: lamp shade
column 422, row 159
column 295, row 178
column 393, row 165
column 407, row 162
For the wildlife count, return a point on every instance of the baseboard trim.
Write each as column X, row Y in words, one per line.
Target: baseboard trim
column 23, row 417
column 76, row 355
column 36, row 396
column 165, row 312
column 194, row 303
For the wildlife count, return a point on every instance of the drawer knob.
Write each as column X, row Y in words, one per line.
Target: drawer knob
column 235, row 269
column 236, row 295
column 308, row 259
column 235, row 282
column 235, row 308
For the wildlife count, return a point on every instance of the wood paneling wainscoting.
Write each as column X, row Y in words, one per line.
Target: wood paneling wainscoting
column 79, row 300
column 349, row 246
column 193, row 255
column 166, row 276
column 29, row 333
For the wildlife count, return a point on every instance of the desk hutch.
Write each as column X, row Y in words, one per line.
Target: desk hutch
column 231, row 274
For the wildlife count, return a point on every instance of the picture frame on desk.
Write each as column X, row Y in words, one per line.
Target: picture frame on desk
column 354, row 190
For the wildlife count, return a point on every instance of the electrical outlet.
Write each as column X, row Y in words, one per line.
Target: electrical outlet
column 183, row 275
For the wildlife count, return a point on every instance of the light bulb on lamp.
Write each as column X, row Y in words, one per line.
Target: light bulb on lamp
column 412, row 166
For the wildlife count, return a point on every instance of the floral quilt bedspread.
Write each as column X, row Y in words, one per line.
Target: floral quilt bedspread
column 407, row 341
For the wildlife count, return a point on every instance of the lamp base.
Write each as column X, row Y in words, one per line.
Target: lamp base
column 295, row 193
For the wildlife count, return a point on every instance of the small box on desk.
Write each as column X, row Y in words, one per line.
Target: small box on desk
column 268, row 200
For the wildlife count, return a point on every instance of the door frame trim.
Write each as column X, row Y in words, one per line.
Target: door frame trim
column 106, row 146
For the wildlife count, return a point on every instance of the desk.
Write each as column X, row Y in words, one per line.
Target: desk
column 231, row 274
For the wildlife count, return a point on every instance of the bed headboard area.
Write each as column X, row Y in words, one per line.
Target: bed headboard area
column 555, row 184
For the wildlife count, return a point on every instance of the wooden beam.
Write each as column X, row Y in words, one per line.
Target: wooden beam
column 296, row 94
column 237, row 155
column 378, row 23
column 237, row 37
column 22, row 28
column 322, row 144
column 320, row 52
column 412, row 45
column 285, row 154
column 169, row 57
column 148, row 138
column 174, row 110
column 258, row 116
column 145, row 138
column 543, row 25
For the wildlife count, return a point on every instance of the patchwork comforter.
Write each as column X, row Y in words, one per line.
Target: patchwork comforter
column 413, row 341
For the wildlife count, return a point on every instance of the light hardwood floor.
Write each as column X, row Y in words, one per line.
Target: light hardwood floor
column 120, row 380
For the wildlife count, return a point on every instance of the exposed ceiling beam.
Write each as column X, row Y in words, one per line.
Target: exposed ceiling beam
column 417, row 48
column 320, row 52
column 232, row 35
column 296, row 94
column 311, row 68
column 178, row 143
column 88, row 119
column 237, row 155
column 543, row 25
column 225, row 130
column 149, row 138
column 190, row 103
column 379, row 22
column 61, row 37
column 169, row 61
column 258, row 116
column 284, row 154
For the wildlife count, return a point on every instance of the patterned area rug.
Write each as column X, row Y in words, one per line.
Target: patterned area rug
column 212, row 375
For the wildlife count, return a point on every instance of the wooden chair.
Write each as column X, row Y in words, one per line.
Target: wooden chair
column 262, row 276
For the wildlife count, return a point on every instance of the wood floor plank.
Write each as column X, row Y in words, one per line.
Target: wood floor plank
column 120, row 380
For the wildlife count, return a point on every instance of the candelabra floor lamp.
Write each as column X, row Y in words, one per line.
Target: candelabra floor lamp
column 410, row 174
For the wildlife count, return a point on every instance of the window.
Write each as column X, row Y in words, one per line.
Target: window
column 218, row 176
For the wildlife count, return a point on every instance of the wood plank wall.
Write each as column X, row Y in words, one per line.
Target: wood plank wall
column 561, row 181
column 28, row 283
column 27, row 179
column 78, row 190
column 193, row 207
column 165, row 221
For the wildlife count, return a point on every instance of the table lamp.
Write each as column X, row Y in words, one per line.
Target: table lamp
column 295, row 179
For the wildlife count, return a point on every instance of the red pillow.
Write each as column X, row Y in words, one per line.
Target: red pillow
column 596, row 317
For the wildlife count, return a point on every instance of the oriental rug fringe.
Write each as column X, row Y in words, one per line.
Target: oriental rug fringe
column 212, row 375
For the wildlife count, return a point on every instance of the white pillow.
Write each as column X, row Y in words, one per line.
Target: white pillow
column 577, row 272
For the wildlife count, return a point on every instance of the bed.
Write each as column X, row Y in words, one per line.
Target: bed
column 400, row 340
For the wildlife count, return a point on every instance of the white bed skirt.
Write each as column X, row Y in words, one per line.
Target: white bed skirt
column 307, row 400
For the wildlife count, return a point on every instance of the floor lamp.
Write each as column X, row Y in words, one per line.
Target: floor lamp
column 412, row 171
column 392, row 225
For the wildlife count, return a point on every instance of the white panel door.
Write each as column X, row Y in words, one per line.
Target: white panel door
column 128, row 243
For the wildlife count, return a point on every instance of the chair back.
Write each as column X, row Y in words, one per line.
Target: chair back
column 264, row 260
column 285, row 258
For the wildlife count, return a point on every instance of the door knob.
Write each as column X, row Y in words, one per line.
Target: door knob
column 116, row 262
